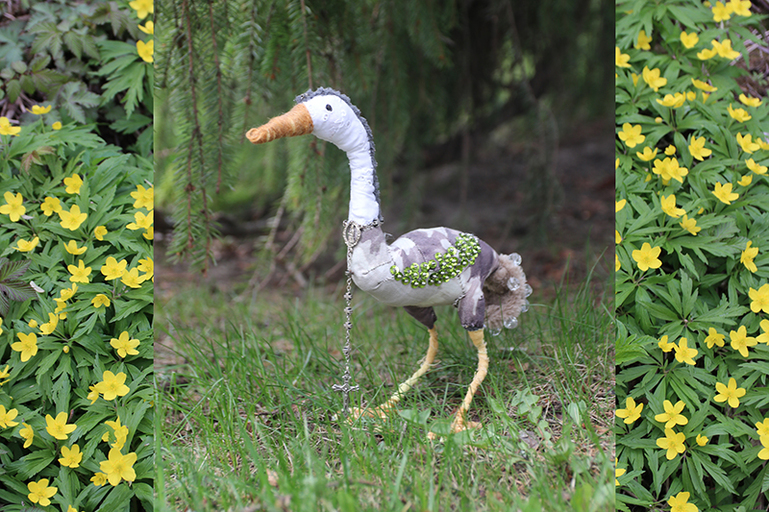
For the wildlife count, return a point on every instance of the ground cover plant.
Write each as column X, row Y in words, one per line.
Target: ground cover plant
column 692, row 282
column 249, row 415
column 76, row 259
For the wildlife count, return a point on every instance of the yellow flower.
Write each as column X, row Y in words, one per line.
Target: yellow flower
column 699, row 84
column 714, row 338
column 124, row 345
column 38, row 110
column 740, row 7
column 740, row 341
column 669, row 169
column 7, row 129
column 684, row 354
column 146, row 50
column 93, row 394
column 747, row 256
column 740, row 114
column 142, row 7
column 672, row 415
column 147, row 265
column 631, row 412
column 668, row 205
column 618, row 472
column 690, row 225
column 697, row 148
column 617, row 264
column 70, row 508
column 689, row 40
column 148, row 28
column 680, row 502
column 762, row 427
column 6, row 417
column 749, row 101
column 670, row 150
column 32, row 323
column 631, row 135
column 56, row 125
column 665, row 345
column 647, row 155
column 617, row 237
column 724, row 193
column 13, row 207
column 144, row 197
column 707, row 53
column 68, row 293
column 759, row 299
column 701, row 440
column 132, row 279
column 99, row 233
column 747, row 144
column 619, row 205
column 725, row 49
column 621, row 59
column 71, row 457
column 119, row 467
column 721, row 12
column 27, row 346
column 40, row 493
column 27, row 434
column 50, row 206
column 754, row 167
column 653, row 79
column 80, row 274
column 113, row 269
column 26, row 246
column 112, row 386
column 745, row 180
column 647, row 257
column 121, row 433
column 50, row 326
column 673, row 443
column 672, row 100
column 73, row 218
column 58, row 427
column 99, row 479
column 72, row 248
column 764, row 336
column 141, row 221
column 642, row 43
column 4, row 374
column 100, row 300
column 764, row 453
column 73, row 184
column 730, row 394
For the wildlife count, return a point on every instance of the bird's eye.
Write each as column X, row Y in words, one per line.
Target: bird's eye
column 328, row 107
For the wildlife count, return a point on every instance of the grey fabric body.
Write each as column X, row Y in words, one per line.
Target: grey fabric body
column 372, row 259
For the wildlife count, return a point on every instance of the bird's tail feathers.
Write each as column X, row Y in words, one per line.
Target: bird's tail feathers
column 505, row 292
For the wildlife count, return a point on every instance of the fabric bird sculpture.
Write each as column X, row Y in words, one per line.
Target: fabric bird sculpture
column 422, row 268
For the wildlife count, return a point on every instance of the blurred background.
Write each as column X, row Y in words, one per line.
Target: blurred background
column 489, row 116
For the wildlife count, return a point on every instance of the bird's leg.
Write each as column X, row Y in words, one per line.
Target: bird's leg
column 383, row 410
column 460, row 423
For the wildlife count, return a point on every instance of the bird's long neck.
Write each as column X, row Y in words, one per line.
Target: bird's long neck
column 364, row 194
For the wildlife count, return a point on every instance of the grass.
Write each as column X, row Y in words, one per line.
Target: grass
column 248, row 418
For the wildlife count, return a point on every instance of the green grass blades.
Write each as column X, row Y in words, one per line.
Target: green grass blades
column 248, row 420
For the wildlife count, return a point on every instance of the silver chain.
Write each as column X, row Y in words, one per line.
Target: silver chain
column 351, row 232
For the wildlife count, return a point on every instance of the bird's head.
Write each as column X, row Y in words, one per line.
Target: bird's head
column 326, row 113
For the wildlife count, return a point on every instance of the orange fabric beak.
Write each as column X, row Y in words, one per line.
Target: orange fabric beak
column 296, row 121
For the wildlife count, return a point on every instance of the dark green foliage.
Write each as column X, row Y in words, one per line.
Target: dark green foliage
column 12, row 287
column 421, row 72
column 81, row 59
